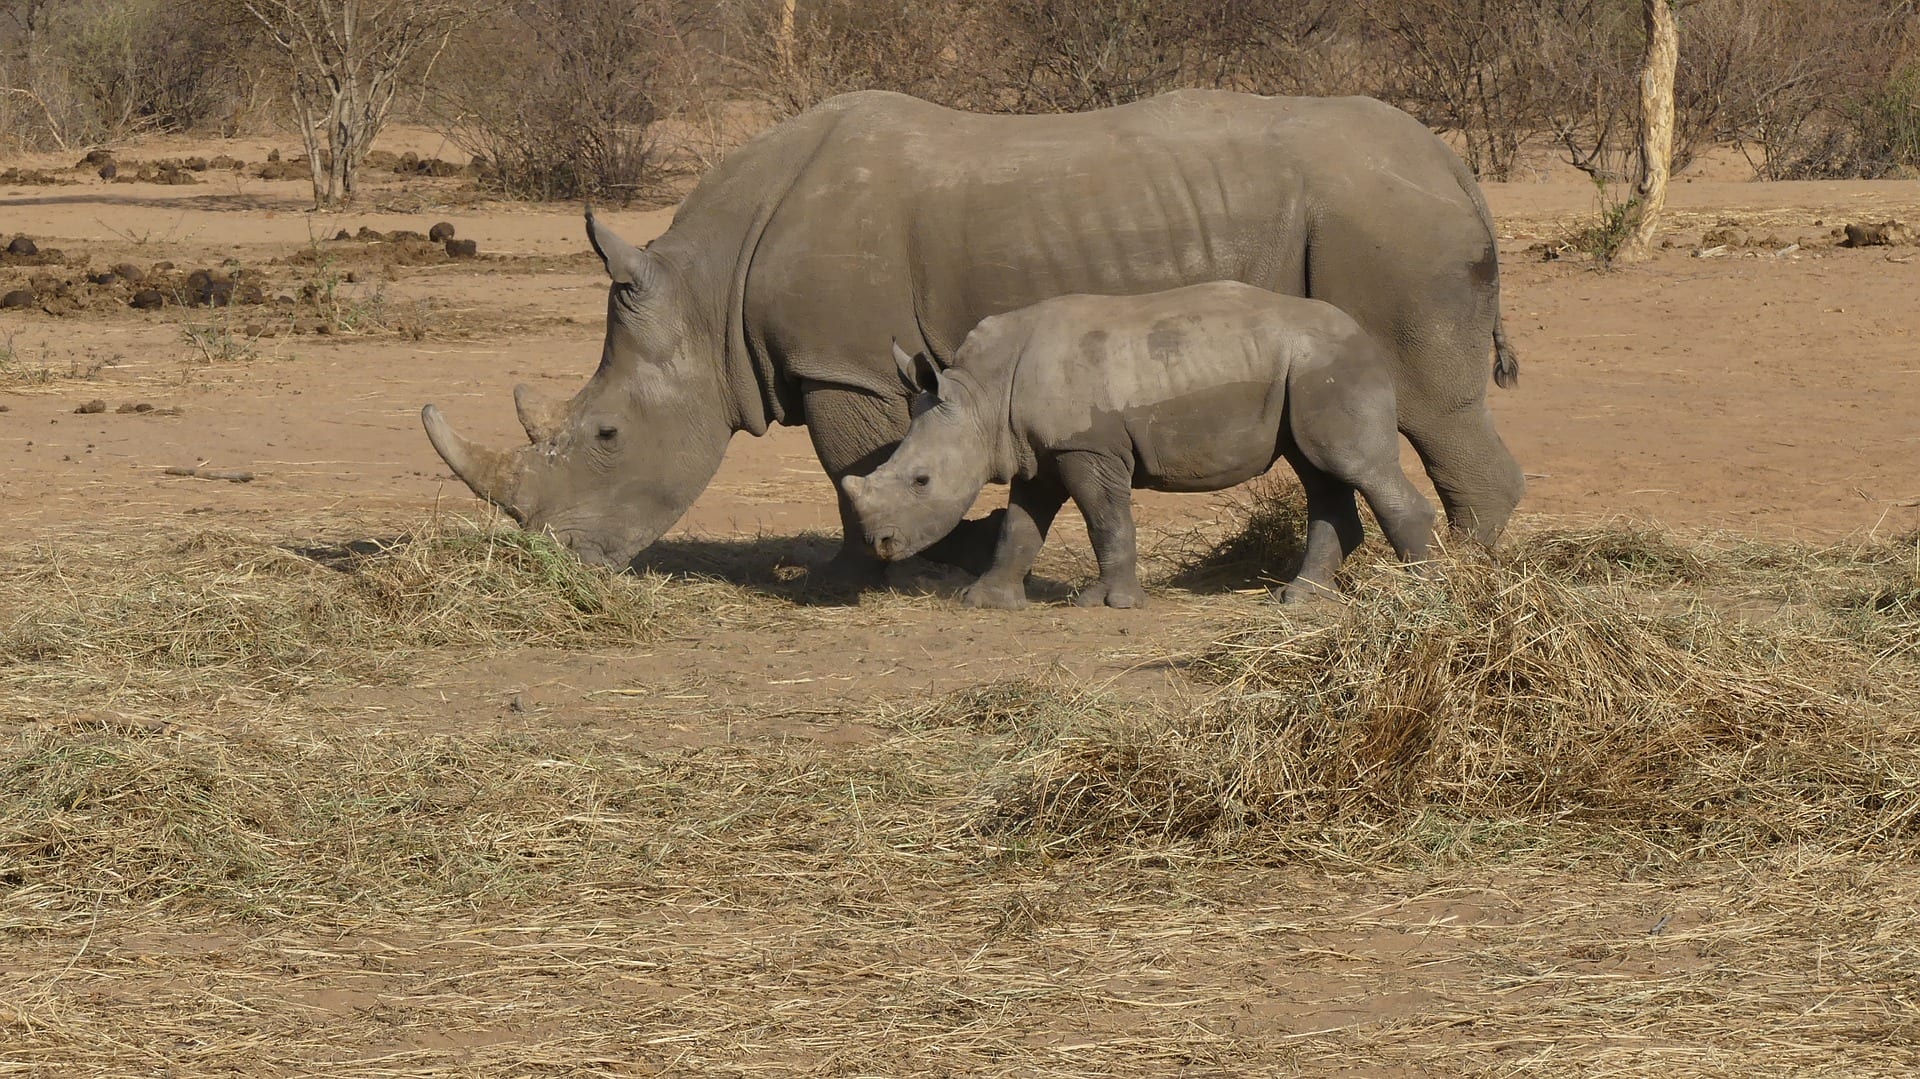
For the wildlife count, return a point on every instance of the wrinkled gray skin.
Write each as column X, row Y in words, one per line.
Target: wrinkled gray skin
column 1089, row 397
column 877, row 216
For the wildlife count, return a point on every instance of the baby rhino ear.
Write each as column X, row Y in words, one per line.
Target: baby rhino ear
column 919, row 372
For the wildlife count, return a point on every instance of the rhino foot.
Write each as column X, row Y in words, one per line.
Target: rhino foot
column 1301, row 590
column 995, row 596
column 1100, row 592
column 853, row 571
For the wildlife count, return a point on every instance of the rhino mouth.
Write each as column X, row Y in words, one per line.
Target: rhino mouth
column 889, row 546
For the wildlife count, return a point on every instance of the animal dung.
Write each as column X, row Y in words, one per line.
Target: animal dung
column 91, row 407
column 441, row 232
column 23, row 247
column 231, row 475
column 1884, row 234
column 148, row 299
column 17, row 298
column 462, row 249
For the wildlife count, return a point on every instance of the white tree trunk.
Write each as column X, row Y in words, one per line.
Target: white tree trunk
column 1656, row 130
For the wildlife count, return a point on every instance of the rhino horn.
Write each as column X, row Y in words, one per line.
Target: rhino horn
column 541, row 421
column 625, row 263
column 491, row 474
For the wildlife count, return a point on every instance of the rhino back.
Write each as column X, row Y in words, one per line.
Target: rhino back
column 916, row 221
column 1191, row 383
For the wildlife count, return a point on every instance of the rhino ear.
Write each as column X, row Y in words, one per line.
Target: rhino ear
column 625, row 263
column 919, row 372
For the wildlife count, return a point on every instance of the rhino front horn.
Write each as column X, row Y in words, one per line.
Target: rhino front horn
column 491, row 474
column 540, row 421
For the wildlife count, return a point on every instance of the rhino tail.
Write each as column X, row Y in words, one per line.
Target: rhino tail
column 1506, row 362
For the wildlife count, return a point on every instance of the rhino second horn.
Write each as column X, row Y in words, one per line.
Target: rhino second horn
column 490, row 473
column 541, row 421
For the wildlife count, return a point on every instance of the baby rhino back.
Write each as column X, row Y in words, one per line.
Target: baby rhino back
column 1189, row 385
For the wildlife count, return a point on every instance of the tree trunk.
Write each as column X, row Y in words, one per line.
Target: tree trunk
column 303, row 103
column 784, row 44
column 1656, row 130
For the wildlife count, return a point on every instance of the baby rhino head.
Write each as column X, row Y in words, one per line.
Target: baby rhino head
column 933, row 477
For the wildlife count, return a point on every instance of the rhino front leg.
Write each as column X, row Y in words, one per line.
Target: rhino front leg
column 854, row 432
column 1102, row 486
column 1476, row 477
column 1031, row 507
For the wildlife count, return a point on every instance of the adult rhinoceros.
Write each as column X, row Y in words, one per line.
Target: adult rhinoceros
column 875, row 216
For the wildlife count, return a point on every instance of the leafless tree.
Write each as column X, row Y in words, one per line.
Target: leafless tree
column 349, row 61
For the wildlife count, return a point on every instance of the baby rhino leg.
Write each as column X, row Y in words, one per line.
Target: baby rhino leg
column 1333, row 531
column 1031, row 506
column 1102, row 486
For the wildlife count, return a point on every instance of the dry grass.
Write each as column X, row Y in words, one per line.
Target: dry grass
column 1522, row 820
column 1500, row 702
column 1264, row 539
column 225, row 610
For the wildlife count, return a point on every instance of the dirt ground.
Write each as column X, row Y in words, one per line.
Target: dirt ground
column 1770, row 390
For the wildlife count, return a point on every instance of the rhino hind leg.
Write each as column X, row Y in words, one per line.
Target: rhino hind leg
column 1333, row 532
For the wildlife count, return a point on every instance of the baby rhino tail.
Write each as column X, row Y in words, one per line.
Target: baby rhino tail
column 1506, row 362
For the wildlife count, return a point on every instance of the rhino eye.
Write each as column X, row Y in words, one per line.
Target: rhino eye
column 607, row 432
column 922, row 480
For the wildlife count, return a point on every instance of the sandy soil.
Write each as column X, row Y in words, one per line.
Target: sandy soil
column 1766, row 390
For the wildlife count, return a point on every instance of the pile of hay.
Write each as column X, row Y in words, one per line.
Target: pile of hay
column 224, row 609
column 1504, row 697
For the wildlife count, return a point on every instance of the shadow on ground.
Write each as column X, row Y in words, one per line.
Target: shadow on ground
column 792, row 568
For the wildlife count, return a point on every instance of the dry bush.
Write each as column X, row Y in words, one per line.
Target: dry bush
column 1500, row 700
column 1809, row 86
column 1041, row 55
column 940, row 50
column 1464, row 66
column 76, row 73
column 1076, row 55
column 1313, row 48
column 562, row 98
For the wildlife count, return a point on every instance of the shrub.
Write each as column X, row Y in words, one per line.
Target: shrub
column 562, row 98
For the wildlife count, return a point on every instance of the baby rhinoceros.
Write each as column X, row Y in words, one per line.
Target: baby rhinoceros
column 1195, row 389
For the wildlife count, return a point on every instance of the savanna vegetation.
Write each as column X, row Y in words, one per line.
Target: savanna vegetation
column 1712, row 738
column 368, row 791
column 615, row 98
